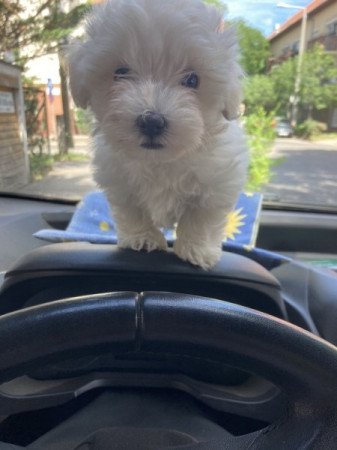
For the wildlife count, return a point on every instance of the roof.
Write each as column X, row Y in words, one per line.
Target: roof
column 10, row 65
column 294, row 20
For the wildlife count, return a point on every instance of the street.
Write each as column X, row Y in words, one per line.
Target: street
column 67, row 180
column 307, row 174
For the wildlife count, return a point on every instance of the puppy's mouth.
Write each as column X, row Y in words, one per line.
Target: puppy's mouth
column 152, row 145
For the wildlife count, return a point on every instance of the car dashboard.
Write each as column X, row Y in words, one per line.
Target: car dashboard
column 35, row 273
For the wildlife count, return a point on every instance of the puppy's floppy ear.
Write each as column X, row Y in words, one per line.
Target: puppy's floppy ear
column 77, row 74
column 233, row 91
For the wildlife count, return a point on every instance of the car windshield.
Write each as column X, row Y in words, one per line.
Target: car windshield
column 288, row 52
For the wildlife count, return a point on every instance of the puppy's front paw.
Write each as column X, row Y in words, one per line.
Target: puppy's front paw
column 149, row 241
column 197, row 254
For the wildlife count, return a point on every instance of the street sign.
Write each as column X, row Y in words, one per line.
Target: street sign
column 6, row 103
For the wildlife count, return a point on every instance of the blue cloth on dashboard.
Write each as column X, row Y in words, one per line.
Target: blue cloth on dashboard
column 93, row 222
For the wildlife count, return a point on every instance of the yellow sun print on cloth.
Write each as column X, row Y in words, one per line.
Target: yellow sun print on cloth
column 104, row 226
column 234, row 222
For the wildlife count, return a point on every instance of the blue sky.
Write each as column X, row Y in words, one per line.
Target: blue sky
column 262, row 14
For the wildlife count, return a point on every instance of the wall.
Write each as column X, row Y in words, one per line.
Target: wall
column 14, row 162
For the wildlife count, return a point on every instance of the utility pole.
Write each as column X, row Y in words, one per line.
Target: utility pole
column 299, row 68
column 301, row 50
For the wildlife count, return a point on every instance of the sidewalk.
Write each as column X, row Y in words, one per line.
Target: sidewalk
column 81, row 145
column 330, row 142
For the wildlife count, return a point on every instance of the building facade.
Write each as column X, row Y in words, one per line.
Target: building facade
column 321, row 28
column 14, row 164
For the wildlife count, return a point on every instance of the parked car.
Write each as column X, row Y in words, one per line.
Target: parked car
column 283, row 128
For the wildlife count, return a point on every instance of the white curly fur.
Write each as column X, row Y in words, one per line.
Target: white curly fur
column 195, row 178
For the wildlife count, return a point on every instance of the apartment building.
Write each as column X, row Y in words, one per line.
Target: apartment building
column 321, row 28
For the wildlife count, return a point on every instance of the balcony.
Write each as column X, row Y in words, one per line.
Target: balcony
column 329, row 42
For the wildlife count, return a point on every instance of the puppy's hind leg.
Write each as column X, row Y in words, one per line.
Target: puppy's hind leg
column 135, row 229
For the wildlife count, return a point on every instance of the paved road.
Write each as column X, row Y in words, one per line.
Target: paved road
column 308, row 173
column 68, row 180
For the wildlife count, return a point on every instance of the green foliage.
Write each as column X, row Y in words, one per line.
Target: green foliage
column 319, row 71
column 261, row 135
column 34, row 107
column 310, row 128
column 259, row 91
column 254, row 47
column 283, row 81
column 318, row 89
column 40, row 165
column 73, row 157
column 217, row 3
column 84, row 120
column 43, row 23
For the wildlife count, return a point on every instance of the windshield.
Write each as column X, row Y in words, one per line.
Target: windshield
column 289, row 110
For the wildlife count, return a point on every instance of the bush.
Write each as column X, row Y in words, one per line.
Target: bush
column 40, row 165
column 35, row 116
column 310, row 128
column 83, row 120
column 261, row 135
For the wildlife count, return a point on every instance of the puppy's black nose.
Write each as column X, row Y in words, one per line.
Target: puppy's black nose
column 151, row 124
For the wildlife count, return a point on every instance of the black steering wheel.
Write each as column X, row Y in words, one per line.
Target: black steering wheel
column 303, row 366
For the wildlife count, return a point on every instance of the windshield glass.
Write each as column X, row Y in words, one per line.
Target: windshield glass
column 289, row 110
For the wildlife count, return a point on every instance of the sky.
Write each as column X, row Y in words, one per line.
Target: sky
column 262, row 14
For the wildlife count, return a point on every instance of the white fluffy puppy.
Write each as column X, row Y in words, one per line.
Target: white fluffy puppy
column 163, row 82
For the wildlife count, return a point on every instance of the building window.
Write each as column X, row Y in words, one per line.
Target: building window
column 295, row 47
column 332, row 27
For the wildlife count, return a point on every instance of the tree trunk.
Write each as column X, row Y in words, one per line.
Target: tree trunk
column 68, row 137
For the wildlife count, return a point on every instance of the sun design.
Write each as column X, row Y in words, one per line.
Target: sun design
column 234, row 222
column 104, row 226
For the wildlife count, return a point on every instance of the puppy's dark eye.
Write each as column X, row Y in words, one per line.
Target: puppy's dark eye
column 121, row 72
column 191, row 80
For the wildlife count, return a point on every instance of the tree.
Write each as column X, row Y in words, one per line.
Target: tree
column 30, row 32
column 318, row 88
column 254, row 47
column 32, row 29
column 259, row 92
column 283, row 79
